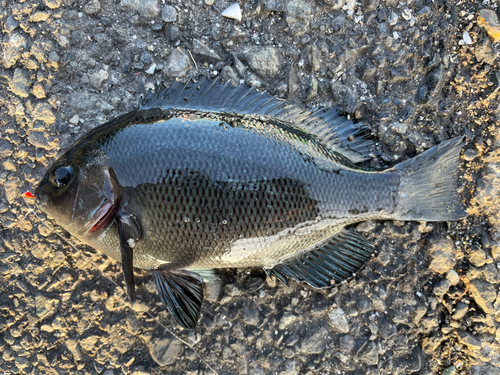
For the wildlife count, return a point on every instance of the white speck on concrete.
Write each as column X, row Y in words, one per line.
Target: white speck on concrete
column 234, row 12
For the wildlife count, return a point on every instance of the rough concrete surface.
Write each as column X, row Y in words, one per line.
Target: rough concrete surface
column 417, row 72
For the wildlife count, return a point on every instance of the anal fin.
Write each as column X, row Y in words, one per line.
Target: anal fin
column 182, row 292
column 344, row 255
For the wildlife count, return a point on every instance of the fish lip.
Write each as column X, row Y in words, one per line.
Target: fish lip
column 105, row 213
column 101, row 217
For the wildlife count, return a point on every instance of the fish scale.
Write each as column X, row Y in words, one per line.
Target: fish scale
column 206, row 176
column 261, row 164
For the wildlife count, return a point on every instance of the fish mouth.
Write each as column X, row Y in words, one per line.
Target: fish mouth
column 105, row 213
column 101, row 217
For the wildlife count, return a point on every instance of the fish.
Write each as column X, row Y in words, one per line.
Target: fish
column 205, row 175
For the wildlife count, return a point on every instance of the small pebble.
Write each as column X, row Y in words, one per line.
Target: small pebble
column 442, row 254
column 368, row 353
column 441, row 288
column 314, row 344
column 299, row 15
column 424, row 11
column 147, row 8
column 146, row 57
column 74, row 120
column 106, row 21
column 460, row 311
column 274, row 5
column 53, row 56
column 10, row 24
column 338, row 320
column 477, row 257
column 470, row 154
column 97, row 78
column 139, row 65
column 264, row 60
column 232, row 290
column 164, row 350
column 251, row 315
column 286, row 320
column 229, row 75
column 495, row 251
column 157, row 26
column 212, row 290
column 392, row 19
column 12, row 50
column 178, row 64
column 491, row 275
column 92, row 7
column 406, row 14
column 471, row 341
column 466, row 37
column 201, row 51
column 20, row 83
column 151, row 69
column 169, row 14
column 484, row 294
column 453, row 277
column 45, row 306
column 38, row 91
column 233, row 11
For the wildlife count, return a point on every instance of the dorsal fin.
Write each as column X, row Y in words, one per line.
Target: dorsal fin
column 339, row 133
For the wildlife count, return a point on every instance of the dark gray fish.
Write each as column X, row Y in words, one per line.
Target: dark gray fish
column 206, row 176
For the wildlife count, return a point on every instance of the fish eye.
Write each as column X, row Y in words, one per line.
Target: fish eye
column 62, row 176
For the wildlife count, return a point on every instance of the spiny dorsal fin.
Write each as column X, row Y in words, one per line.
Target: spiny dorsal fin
column 339, row 133
column 345, row 254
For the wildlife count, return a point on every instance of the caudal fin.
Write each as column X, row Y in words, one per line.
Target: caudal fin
column 429, row 182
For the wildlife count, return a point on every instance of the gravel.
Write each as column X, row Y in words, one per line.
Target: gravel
column 178, row 64
column 484, row 294
column 146, row 8
column 299, row 15
column 165, row 351
column 204, row 53
column 169, row 14
column 97, row 78
column 20, row 84
column 338, row 320
column 442, row 254
column 429, row 301
column 264, row 60
column 10, row 24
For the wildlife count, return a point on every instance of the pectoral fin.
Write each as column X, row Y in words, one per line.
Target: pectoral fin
column 339, row 259
column 182, row 292
column 129, row 233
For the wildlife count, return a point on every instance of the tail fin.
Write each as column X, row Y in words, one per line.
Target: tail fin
column 428, row 185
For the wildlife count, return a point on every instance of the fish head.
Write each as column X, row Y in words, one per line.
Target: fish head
column 82, row 197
